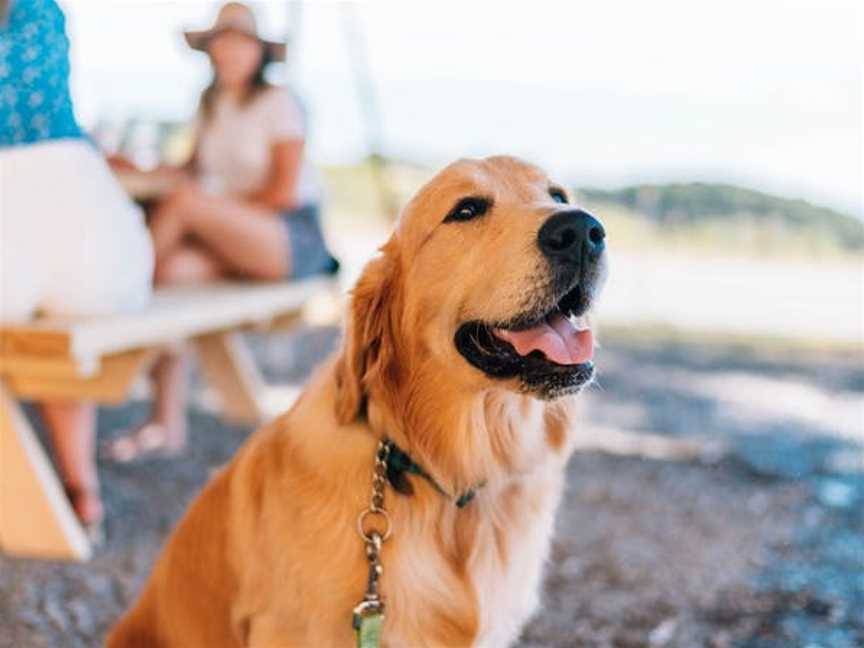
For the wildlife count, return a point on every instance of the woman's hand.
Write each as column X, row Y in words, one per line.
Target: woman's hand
column 146, row 185
column 187, row 199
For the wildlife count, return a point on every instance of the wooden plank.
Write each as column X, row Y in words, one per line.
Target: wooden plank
column 25, row 340
column 324, row 308
column 183, row 312
column 281, row 323
column 110, row 384
column 35, row 516
column 58, row 366
column 230, row 369
column 175, row 313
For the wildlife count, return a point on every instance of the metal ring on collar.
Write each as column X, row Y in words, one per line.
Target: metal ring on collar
column 362, row 519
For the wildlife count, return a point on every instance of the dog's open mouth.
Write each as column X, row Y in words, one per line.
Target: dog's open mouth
column 551, row 350
column 561, row 336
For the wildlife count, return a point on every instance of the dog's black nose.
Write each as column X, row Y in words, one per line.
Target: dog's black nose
column 571, row 235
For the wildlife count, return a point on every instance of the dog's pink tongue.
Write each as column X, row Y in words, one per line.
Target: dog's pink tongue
column 556, row 337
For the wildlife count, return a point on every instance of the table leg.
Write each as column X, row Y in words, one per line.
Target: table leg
column 35, row 517
column 230, row 369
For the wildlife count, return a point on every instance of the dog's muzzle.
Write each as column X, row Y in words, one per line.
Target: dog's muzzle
column 549, row 345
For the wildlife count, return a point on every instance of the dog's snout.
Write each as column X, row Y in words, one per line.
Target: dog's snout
column 571, row 235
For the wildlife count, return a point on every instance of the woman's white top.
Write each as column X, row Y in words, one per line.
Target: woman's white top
column 234, row 146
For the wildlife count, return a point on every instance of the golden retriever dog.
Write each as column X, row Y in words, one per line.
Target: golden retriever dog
column 466, row 341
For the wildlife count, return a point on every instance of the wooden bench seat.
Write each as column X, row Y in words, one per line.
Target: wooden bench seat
column 99, row 358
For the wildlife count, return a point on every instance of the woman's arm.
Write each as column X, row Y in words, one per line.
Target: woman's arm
column 148, row 185
column 155, row 183
column 279, row 192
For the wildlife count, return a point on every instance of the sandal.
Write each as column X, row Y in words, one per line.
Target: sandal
column 94, row 527
column 148, row 441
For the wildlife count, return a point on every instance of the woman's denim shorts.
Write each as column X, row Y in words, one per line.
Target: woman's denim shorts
column 309, row 253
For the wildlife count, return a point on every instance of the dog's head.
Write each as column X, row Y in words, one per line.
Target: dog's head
column 487, row 280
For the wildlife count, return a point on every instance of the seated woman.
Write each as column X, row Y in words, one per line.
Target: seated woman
column 249, row 208
column 71, row 241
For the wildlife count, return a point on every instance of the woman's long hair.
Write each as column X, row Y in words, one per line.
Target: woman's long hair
column 257, row 84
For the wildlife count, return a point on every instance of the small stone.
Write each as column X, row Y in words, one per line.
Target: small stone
column 99, row 585
column 30, row 618
column 55, row 613
column 81, row 616
column 836, row 494
column 758, row 503
column 813, row 516
column 571, row 567
column 663, row 633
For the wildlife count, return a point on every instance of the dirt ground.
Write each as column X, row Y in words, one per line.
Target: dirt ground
column 717, row 500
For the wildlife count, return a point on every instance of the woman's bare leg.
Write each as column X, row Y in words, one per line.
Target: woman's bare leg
column 249, row 240
column 171, row 393
column 165, row 431
column 166, row 228
column 188, row 264
column 72, row 428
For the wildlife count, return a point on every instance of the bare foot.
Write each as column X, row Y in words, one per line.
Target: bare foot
column 153, row 439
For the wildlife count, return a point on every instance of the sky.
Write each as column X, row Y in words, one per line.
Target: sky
column 764, row 94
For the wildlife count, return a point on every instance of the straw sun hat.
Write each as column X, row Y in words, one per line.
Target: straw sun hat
column 235, row 16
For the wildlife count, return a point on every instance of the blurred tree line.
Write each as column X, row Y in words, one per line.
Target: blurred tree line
column 705, row 205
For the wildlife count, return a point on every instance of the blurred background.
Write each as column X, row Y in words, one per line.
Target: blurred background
column 706, row 135
column 718, row 495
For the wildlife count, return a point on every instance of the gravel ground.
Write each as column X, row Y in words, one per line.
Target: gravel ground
column 717, row 501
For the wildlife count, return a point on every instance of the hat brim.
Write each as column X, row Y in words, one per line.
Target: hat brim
column 198, row 40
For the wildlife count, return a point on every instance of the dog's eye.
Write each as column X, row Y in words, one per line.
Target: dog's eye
column 558, row 195
column 468, row 208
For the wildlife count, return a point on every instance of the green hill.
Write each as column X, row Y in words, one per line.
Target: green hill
column 711, row 208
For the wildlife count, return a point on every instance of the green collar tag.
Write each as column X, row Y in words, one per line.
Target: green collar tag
column 367, row 629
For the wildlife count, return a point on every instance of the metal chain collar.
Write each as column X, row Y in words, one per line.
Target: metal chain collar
column 376, row 503
column 374, row 527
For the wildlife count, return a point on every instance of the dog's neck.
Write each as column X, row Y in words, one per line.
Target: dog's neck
column 465, row 439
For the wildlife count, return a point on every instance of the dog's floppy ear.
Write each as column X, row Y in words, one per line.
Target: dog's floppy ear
column 368, row 353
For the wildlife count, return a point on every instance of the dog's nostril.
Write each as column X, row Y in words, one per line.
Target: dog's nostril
column 564, row 239
column 596, row 235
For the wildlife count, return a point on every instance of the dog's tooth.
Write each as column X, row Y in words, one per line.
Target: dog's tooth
column 580, row 323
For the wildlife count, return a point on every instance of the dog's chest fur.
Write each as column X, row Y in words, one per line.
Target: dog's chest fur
column 499, row 585
column 508, row 590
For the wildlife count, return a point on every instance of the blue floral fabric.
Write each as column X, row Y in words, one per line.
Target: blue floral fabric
column 34, row 75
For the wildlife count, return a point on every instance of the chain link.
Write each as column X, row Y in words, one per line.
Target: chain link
column 372, row 536
column 376, row 502
column 379, row 476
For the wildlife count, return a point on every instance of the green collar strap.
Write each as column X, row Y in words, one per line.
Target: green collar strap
column 400, row 463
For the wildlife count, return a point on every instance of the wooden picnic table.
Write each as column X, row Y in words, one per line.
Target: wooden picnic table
column 99, row 358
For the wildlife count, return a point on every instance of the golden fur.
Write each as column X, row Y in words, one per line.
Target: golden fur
column 269, row 556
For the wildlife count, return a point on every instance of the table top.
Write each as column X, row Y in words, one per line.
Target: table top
column 175, row 313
